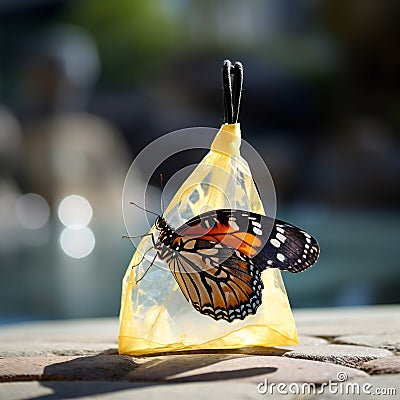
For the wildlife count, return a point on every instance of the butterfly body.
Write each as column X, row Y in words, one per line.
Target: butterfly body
column 217, row 258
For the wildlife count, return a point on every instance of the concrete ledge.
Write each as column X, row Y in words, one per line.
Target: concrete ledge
column 78, row 359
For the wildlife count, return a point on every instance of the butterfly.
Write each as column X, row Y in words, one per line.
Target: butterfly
column 218, row 256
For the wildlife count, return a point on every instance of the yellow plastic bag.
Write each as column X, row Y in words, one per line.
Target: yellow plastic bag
column 155, row 316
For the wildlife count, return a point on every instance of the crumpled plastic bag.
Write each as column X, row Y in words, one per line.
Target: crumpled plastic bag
column 155, row 316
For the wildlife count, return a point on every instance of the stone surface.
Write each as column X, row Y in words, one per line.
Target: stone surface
column 64, row 338
column 309, row 341
column 306, row 341
column 390, row 341
column 101, row 367
column 180, row 391
column 129, row 391
column 351, row 356
column 382, row 381
column 77, row 359
column 333, row 322
column 35, row 349
column 223, row 367
column 387, row 365
column 99, row 330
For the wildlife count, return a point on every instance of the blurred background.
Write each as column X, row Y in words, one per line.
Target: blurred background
column 85, row 85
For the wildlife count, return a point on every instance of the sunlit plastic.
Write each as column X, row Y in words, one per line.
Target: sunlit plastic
column 155, row 317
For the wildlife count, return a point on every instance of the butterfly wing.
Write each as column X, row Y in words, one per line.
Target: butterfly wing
column 218, row 282
column 288, row 248
column 245, row 231
column 269, row 243
column 218, row 258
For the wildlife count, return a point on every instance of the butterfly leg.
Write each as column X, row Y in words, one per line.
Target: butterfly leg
column 147, row 270
column 144, row 255
column 135, row 237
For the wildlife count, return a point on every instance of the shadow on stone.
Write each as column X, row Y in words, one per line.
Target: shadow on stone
column 78, row 389
column 254, row 350
column 198, row 368
column 222, row 375
column 104, row 374
column 90, row 376
column 99, row 368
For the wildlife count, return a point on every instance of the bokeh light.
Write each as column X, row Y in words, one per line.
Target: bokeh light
column 32, row 211
column 77, row 243
column 75, row 212
column 83, row 91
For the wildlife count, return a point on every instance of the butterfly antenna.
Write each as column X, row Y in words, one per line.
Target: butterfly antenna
column 162, row 198
column 137, row 205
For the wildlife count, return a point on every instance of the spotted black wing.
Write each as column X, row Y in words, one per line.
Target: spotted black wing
column 288, row 248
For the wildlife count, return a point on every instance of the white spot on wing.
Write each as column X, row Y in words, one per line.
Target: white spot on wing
column 257, row 231
column 280, row 257
column 280, row 237
column 275, row 243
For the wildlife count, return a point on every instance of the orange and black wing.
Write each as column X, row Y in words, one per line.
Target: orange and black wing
column 218, row 257
column 218, row 282
column 268, row 242
column 242, row 230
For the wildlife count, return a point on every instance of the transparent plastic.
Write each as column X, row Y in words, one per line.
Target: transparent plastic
column 155, row 316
